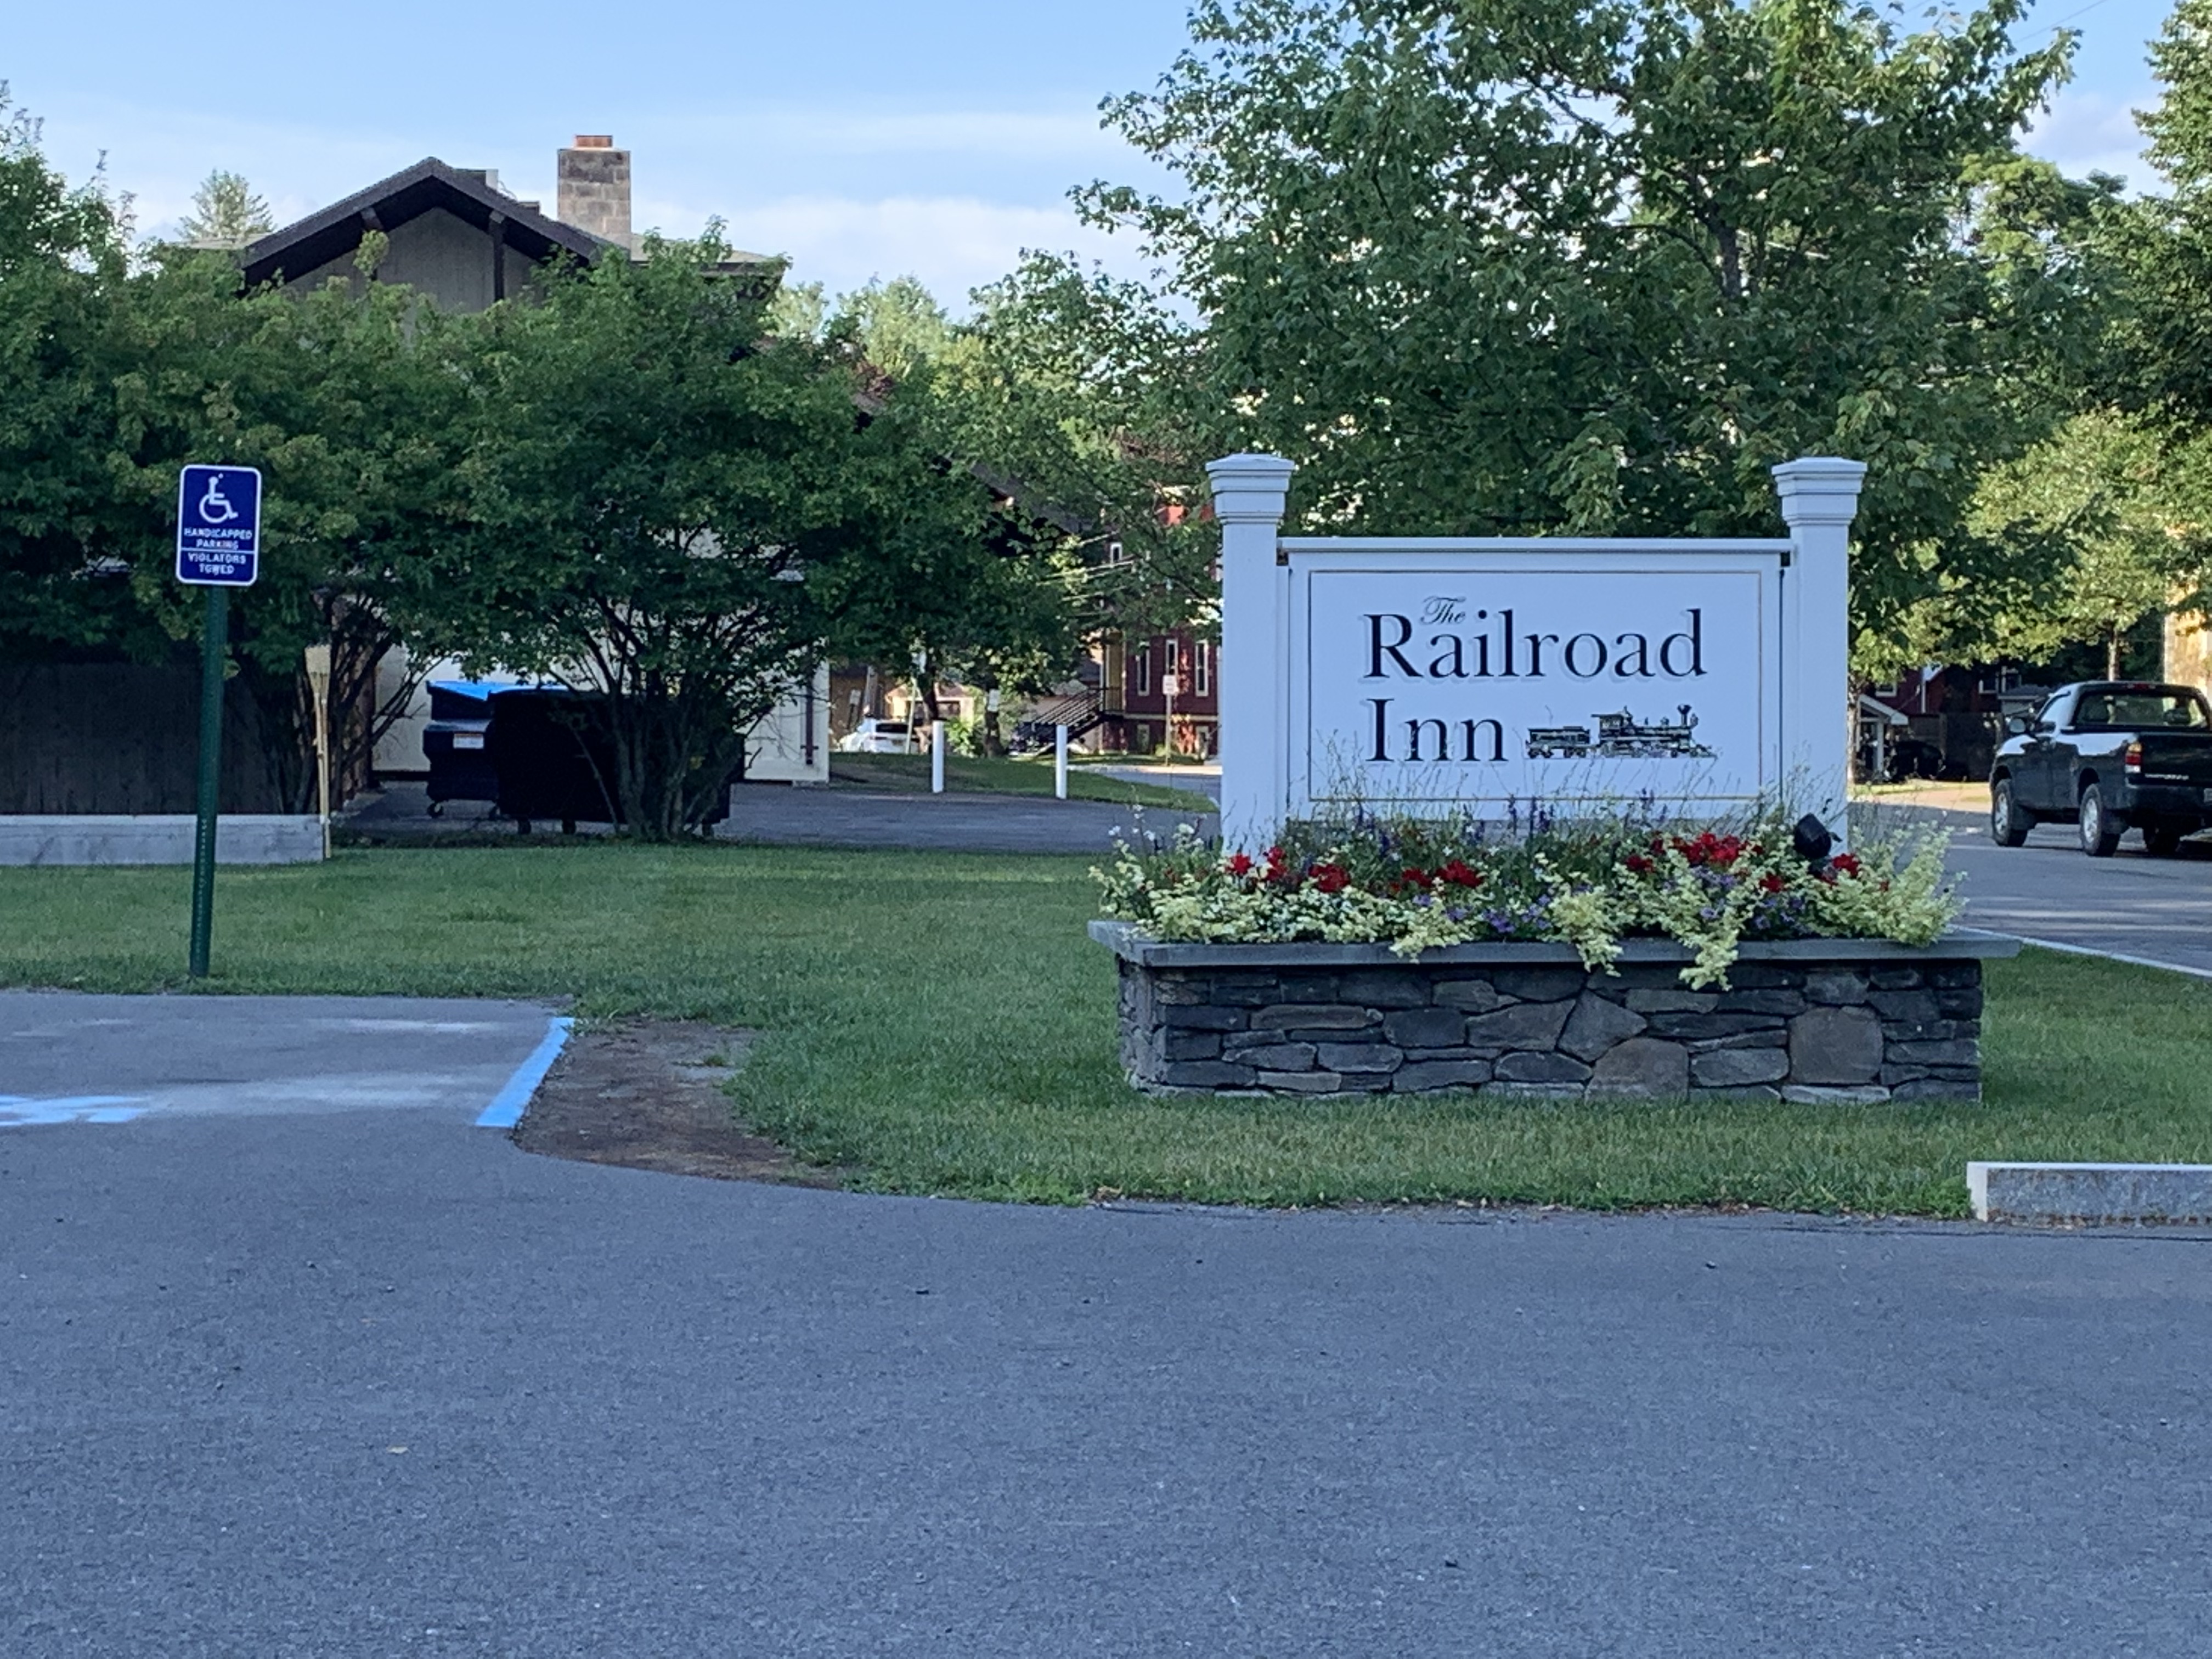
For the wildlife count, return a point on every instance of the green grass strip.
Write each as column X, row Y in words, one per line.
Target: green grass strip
column 939, row 1023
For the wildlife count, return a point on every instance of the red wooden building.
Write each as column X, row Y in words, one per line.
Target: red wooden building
column 1160, row 693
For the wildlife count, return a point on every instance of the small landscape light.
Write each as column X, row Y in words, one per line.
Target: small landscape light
column 1812, row 840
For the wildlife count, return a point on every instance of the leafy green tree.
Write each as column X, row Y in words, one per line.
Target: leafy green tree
column 113, row 372
column 998, row 604
column 2093, row 505
column 897, row 326
column 351, row 404
column 66, row 544
column 1500, row 265
column 1087, row 395
column 226, row 213
column 667, row 506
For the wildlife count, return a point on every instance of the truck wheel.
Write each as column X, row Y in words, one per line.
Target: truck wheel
column 2161, row 841
column 2009, row 822
column 2100, row 834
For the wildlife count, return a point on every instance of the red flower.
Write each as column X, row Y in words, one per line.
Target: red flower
column 1415, row 877
column 1241, row 864
column 1460, row 873
column 1277, row 866
column 1772, row 884
column 1330, row 878
column 1636, row 863
column 1708, row 848
column 1844, row 862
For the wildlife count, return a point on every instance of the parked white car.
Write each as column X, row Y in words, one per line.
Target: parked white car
column 873, row 736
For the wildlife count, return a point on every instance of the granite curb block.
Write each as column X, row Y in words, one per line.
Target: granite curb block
column 1807, row 1022
column 42, row 839
column 2138, row 1192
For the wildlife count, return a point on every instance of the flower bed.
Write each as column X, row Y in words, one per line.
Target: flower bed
column 1605, row 959
column 1591, row 884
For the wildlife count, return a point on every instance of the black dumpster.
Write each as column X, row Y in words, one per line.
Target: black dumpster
column 455, row 742
column 550, row 750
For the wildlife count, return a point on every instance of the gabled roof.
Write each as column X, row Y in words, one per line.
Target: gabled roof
column 337, row 229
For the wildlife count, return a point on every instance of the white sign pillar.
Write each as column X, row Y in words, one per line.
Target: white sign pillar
column 1250, row 492
column 1820, row 498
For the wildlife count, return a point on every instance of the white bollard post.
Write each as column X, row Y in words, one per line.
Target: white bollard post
column 1820, row 498
column 1059, row 763
column 937, row 757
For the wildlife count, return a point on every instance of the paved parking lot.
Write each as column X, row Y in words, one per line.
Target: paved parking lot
column 2130, row 905
column 843, row 816
column 322, row 1375
column 106, row 1059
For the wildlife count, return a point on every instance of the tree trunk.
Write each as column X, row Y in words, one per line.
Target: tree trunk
column 988, row 685
column 2112, row 642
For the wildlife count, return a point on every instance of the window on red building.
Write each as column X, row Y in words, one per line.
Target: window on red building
column 1145, row 672
column 1202, row 669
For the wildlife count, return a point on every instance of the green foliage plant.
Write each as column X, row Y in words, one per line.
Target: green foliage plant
column 1589, row 881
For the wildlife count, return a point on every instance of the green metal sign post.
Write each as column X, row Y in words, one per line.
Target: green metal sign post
column 218, row 547
column 215, row 646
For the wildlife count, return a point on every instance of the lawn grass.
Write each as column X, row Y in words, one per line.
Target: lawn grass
column 1026, row 774
column 939, row 1023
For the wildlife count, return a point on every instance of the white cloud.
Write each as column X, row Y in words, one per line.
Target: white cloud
column 1028, row 136
column 952, row 243
column 2087, row 132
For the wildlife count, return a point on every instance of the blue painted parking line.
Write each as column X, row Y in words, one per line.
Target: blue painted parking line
column 23, row 1111
column 507, row 1106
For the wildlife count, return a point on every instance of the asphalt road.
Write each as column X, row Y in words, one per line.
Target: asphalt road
column 779, row 815
column 371, row 1382
column 2131, row 904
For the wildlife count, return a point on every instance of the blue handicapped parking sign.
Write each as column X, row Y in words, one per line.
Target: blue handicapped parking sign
column 219, row 526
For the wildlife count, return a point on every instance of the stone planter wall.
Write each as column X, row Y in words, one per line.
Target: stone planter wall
column 1832, row 1020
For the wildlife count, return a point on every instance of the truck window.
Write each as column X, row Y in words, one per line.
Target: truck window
column 2137, row 711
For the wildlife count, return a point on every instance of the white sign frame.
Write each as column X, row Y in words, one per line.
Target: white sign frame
column 1265, row 678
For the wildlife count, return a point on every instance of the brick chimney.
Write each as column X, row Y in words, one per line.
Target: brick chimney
column 593, row 192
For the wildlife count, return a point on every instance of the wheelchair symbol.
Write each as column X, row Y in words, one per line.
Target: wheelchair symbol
column 215, row 506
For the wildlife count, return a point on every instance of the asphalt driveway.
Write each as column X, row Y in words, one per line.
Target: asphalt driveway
column 108, row 1059
column 2131, row 904
column 371, row 1382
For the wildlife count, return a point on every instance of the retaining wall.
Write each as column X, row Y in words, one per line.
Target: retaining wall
column 1804, row 1020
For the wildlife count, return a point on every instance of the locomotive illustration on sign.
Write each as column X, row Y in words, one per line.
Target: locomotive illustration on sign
column 1620, row 735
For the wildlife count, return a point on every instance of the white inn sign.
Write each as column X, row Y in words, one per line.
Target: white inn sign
column 1438, row 675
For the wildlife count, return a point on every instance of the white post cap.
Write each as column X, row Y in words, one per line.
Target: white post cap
column 1819, row 490
column 1250, row 488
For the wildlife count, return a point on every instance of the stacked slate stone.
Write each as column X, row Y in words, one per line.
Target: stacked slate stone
column 1807, row 1031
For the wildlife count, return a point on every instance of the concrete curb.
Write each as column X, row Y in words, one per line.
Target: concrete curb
column 157, row 838
column 2091, row 1192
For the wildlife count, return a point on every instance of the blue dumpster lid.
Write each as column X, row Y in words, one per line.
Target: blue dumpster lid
column 481, row 690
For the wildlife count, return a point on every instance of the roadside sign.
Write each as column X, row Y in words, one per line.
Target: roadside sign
column 219, row 526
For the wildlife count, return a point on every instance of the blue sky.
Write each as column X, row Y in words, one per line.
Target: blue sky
column 860, row 137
